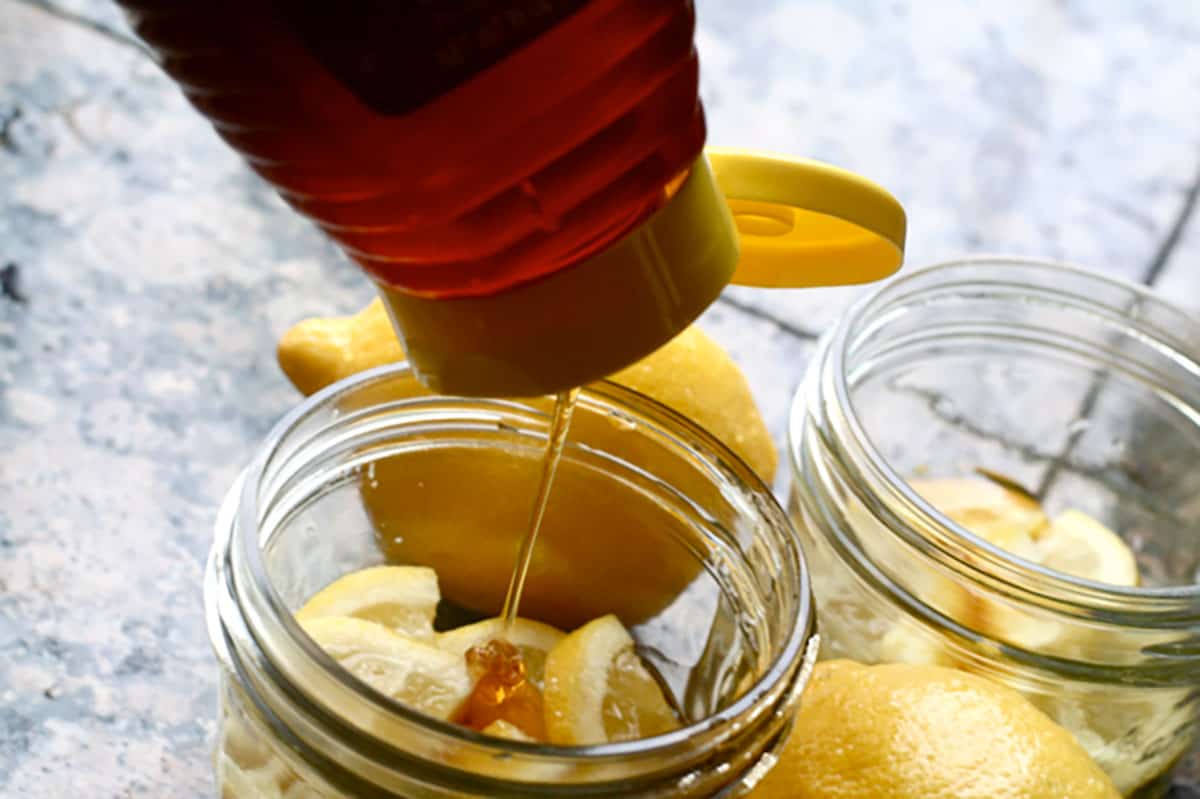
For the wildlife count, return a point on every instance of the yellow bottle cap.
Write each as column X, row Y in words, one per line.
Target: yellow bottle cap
column 800, row 223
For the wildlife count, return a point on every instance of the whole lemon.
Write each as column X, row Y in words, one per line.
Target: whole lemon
column 903, row 731
column 604, row 547
column 691, row 374
column 323, row 350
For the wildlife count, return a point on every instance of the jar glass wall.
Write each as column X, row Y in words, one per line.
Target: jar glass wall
column 1082, row 390
column 651, row 519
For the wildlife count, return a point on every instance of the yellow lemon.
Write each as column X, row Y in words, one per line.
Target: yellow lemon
column 402, row 598
column 321, row 351
column 1078, row 545
column 999, row 515
column 416, row 673
column 925, row 732
column 502, row 729
column 462, row 510
column 1072, row 542
column 237, row 782
column 691, row 374
column 532, row 639
column 598, row 690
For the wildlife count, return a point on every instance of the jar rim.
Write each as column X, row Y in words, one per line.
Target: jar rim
column 795, row 653
column 1167, row 604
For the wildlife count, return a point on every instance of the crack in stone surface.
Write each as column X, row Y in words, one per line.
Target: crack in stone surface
column 934, row 401
column 1167, row 248
column 70, row 17
column 10, row 285
column 758, row 313
column 7, row 120
column 1150, row 276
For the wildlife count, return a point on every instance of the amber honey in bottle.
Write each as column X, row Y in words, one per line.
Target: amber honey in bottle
column 452, row 147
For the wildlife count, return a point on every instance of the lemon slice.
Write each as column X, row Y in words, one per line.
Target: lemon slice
column 420, row 675
column 996, row 514
column 598, row 690
column 242, row 783
column 402, row 598
column 1078, row 545
column 503, row 729
column 243, row 745
column 532, row 639
column 301, row 790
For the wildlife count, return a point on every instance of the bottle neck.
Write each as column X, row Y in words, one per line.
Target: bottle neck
column 584, row 321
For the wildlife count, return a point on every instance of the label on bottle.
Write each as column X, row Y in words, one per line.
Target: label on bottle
column 397, row 55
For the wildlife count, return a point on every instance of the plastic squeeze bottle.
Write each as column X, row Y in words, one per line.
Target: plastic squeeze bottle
column 524, row 180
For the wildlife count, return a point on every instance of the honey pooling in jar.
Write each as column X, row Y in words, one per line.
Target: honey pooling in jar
column 502, row 691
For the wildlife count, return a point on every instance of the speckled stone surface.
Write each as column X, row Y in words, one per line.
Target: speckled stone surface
column 145, row 276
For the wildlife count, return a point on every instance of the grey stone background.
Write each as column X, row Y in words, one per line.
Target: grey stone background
column 147, row 275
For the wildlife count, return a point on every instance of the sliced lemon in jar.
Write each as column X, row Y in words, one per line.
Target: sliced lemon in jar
column 999, row 515
column 532, row 639
column 246, row 747
column 402, row 598
column 599, row 691
column 1078, row 545
column 503, row 729
column 415, row 673
column 1072, row 542
column 244, row 783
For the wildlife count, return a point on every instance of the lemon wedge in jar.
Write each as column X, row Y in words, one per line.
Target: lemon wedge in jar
column 1078, row 545
column 1072, row 542
column 599, row 691
column 238, row 782
column 532, row 639
column 402, row 598
column 999, row 515
column 502, row 729
column 413, row 672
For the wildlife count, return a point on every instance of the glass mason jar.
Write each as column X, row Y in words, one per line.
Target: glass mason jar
column 1083, row 390
column 690, row 549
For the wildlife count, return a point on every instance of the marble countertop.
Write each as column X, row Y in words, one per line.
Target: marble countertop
column 145, row 275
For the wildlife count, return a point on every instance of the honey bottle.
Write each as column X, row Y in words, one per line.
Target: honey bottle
column 524, row 180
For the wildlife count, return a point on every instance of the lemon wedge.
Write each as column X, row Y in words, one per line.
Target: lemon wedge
column 503, row 729
column 242, row 783
column 996, row 514
column 402, row 598
column 1072, row 542
column 246, row 747
column 599, row 691
column 1078, row 545
column 532, row 639
column 418, row 674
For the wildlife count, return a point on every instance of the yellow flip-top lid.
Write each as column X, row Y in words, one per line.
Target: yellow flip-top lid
column 803, row 223
column 750, row 218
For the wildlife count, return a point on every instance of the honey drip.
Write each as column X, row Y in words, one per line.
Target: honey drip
column 560, row 423
column 502, row 691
